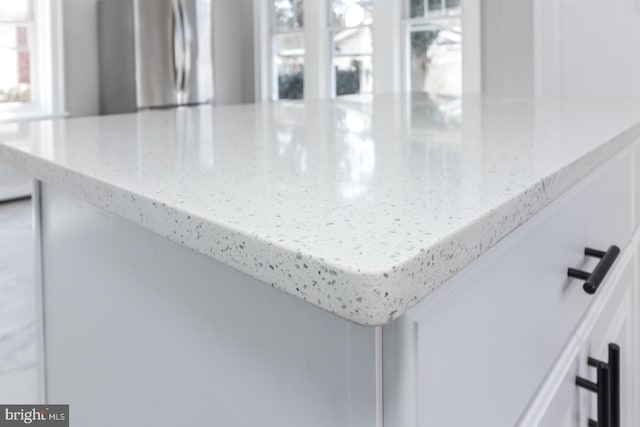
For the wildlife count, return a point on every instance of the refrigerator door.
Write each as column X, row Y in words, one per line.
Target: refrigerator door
column 198, row 75
column 155, row 25
column 173, row 52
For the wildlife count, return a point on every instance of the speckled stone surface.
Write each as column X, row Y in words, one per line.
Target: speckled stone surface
column 361, row 206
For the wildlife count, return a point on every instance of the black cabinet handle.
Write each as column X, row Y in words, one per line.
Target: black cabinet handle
column 601, row 388
column 607, row 388
column 614, row 384
column 592, row 280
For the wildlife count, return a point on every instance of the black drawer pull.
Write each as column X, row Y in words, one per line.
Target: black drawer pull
column 592, row 280
column 609, row 391
column 601, row 388
column 614, row 384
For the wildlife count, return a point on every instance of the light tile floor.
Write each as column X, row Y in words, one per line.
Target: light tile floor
column 18, row 375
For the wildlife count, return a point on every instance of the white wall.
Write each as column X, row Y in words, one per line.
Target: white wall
column 80, row 57
column 507, row 47
column 233, row 54
column 587, row 47
column 561, row 47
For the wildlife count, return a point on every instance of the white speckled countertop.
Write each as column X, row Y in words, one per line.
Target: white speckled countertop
column 361, row 206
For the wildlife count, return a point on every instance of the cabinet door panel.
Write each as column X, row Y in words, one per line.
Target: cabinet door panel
column 614, row 324
column 557, row 404
column 563, row 410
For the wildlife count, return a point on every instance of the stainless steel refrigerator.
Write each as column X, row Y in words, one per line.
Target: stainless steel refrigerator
column 154, row 54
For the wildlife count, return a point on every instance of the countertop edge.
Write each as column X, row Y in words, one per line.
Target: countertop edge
column 379, row 297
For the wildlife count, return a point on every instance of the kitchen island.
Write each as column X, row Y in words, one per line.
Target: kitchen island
column 369, row 260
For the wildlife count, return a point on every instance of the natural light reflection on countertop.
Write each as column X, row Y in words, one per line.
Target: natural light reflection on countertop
column 361, row 206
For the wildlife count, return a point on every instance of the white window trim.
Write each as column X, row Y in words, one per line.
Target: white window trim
column 51, row 56
column 471, row 46
column 47, row 62
column 262, row 52
column 317, row 58
column 387, row 46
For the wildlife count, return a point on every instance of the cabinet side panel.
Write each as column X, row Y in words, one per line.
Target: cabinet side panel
column 636, row 185
column 399, row 378
column 636, row 331
column 163, row 336
column 38, row 293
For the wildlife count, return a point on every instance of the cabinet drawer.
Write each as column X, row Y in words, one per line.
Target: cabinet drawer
column 609, row 320
column 475, row 351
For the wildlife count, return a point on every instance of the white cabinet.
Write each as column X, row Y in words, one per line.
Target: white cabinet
column 500, row 344
column 503, row 342
column 144, row 323
column 608, row 322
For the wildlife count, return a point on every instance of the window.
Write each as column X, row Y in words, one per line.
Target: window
column 16, row 38
column 287, row 44
column 418, row 47
column 30, row 59
column 351, row 46
column 434, row 34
